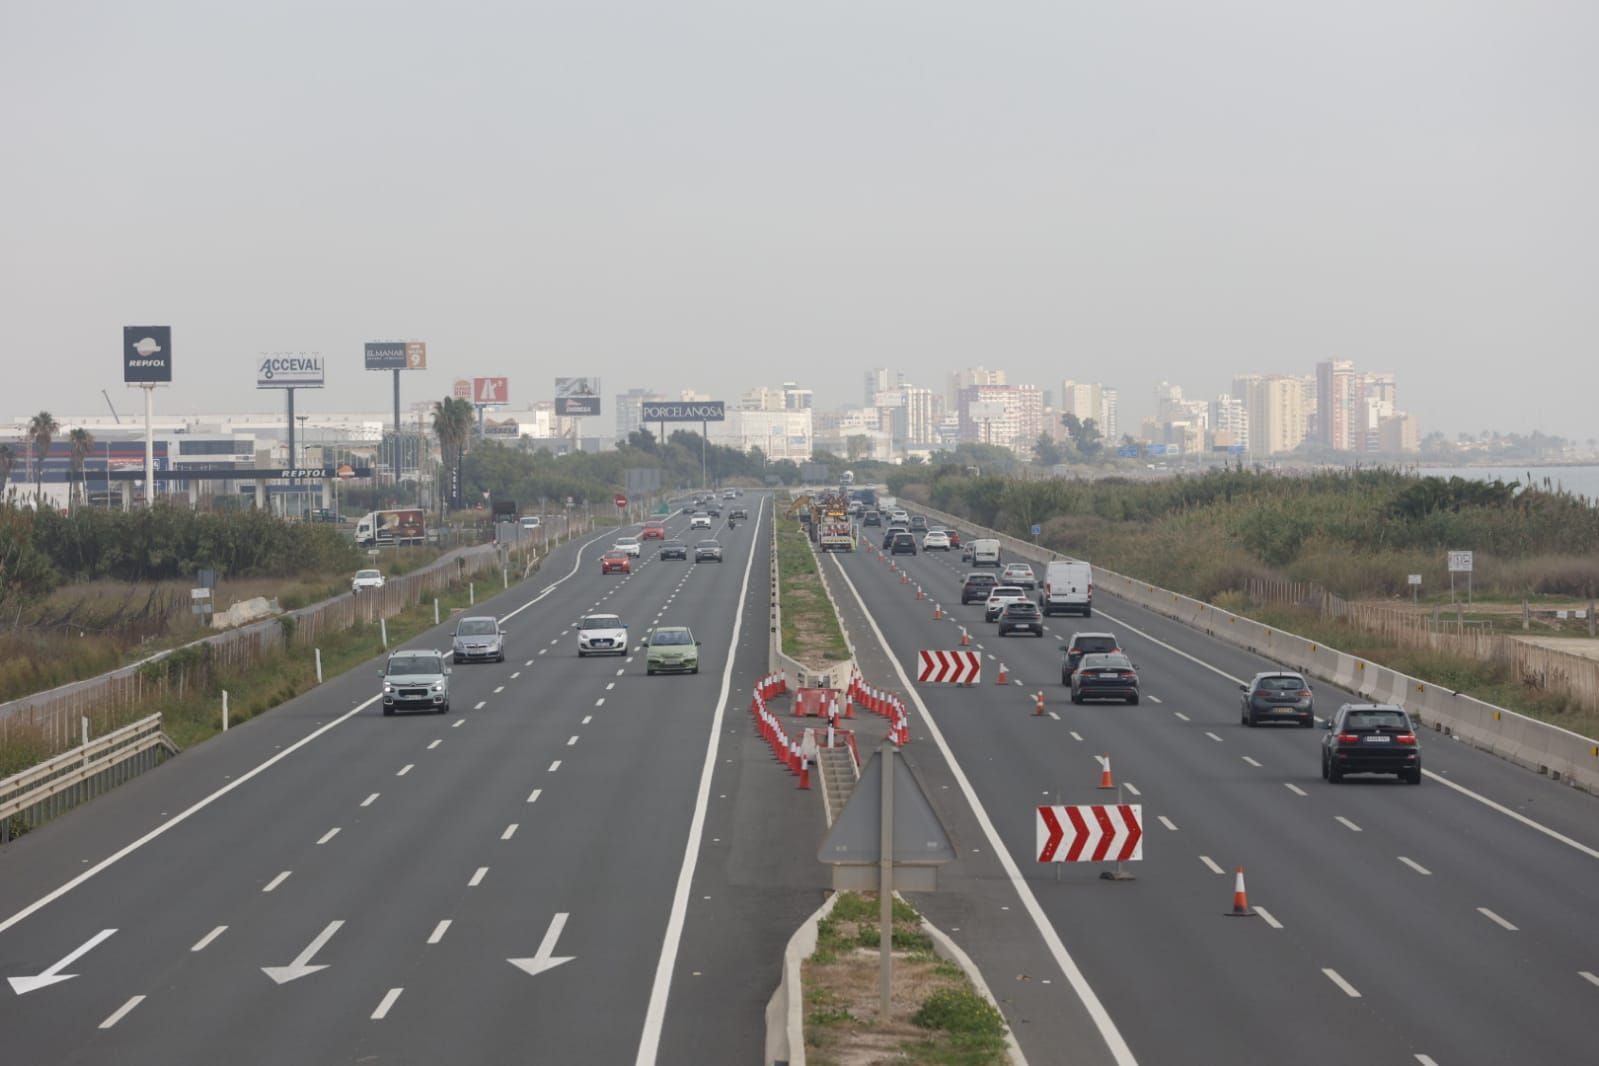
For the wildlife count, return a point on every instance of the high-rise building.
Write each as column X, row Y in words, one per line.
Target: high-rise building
column 1340, row 406
column 1110, row 414
column 876, row 382
column 1229, row 422
column 796, row 398
column 1275, row 405
column 763, row 398
column 965, row 379
column 630, row 408
column 1398, row 434
column 1009, row 416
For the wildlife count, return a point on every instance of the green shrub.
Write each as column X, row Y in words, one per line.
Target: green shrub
column 962, row 1012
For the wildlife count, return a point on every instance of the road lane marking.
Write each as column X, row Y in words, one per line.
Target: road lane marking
column 121, row 1012
column 516, row 674
column 1211, row 864
column 1167, row 822
column 1130, row 787
column 554, row 766
column 533, row 797
column 477, row 878
column 1251, row 762
column 1346, row 823
column 571, row 741
column 1416, row 866
column 276, row 881
column 1348, row 989
column 1295, row 789
column 329, row 835
column 600, row 702
column 480, row 705
column 1266, row 914
column 1426, row 1060
column 435, row 744
column 1502, row 809
column 1492, row 917
column 510, row 831
column 1590, row 978
column 205, row 941
column 1183, row 716
column 1106, row 1026
column 619, row 673
column 439, row 931
column 405, row 769
column 528, row 663
column 1155, row 699
column 498, row 689
column 542, row 651
column 1213, row 736
column 1055, row 716
column 1077, row 736
column 388, row 1001
column 609, row 685
column 371, row 799
column 458, row 723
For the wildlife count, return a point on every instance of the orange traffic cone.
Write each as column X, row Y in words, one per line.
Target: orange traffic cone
column 1000, row 678
column 1104, row 773
column 1240, row 898
column 805, row 772
column 938, row 613
column 1038, row 704
column 919, row 594
column 904, row 578
column 966, row 638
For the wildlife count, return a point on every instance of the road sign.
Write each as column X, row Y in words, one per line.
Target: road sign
column 709, row 411
column 855, row 842
column 949, row 667
column 490, row 391
column 1037, row 529
column 1460, row 562
column 621, row 500
column 1091, row 833
column 1415, row 579
column 146, row 354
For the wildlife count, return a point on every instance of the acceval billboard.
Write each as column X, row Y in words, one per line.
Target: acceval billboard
column 289, row 370
column 710, row 411
column 146, row 355
column 396, row 355
column 577, row 397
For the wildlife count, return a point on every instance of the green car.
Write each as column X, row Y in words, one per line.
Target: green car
column 672, row 648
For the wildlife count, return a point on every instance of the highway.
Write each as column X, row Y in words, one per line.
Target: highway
column 575, row 864
column 1449, row 923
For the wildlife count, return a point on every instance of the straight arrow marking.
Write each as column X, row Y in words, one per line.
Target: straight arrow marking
column 545, row 959
column 301, row 966
column 23, row 985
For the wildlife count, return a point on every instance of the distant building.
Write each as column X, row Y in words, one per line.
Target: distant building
column 630, row 410
column 876, row 382
column 1008, row 416
column 1341, row 415
column 1275, row 405
column 1398, row 434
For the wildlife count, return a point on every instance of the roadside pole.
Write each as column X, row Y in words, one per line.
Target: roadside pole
column 885, row 879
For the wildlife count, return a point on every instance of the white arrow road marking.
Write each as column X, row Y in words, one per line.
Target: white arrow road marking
column 545, row 958
column 301, row 966
column 23, row 985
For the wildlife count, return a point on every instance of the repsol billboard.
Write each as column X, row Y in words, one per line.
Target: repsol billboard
column 711, row 411
column 146, row 354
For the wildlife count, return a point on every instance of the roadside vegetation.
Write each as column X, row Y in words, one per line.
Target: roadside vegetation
column 811, row 632
column 937, row 1017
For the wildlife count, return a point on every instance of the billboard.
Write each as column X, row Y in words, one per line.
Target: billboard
column 709, row 411
column 416, row 355
column 146, row 354
column 289, row 370
column 490, row 391
column 577, row 397
column 385, row 355
column 462, row 389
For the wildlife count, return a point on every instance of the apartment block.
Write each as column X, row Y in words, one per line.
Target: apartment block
column 1009, row 416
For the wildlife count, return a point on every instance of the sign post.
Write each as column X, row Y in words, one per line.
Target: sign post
column 289, row 371
column 1459, row 563
column 398, row 356
column 1415, row 588
column 147, row 362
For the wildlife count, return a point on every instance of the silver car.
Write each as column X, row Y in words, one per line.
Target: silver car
column 478, row 637
column 416, row 680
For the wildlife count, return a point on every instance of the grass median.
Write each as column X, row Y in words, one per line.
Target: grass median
column 811, row 632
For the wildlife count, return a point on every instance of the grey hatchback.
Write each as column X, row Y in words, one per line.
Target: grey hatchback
column 478, row 637
column 1278, row 696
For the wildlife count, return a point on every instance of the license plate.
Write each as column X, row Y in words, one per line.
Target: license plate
column 1376, row 740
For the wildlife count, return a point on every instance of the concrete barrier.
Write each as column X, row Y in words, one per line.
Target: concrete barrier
column 785, row 1011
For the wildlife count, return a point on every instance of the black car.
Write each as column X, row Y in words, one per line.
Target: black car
column 1083, row 644
column 976, row 587
column 902, row 544
column 738, row 512
column 1371, row 738
column 1023, row 617
column 871, row 518
column 673, row 549
column 708, row 551
column 1278, row 697
column 919, row 522
column 889, row 534
column 1105, row 676
column 713, row 510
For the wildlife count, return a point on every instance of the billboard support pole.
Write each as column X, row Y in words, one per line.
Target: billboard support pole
column 290, row 392
column 396, row 460
column 149, row 445
column 704, row 431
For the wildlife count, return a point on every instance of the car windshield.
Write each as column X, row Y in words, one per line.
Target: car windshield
column 601, row 621
column 367, row 573
column 1020, row 607
column 672, row 636
column 1376, row 720
column 1107, row 662
column 626, row 540
column 477, row 627
column 416, row 664
column 1282, row 684
column 671, row 544
column 1091, row 645
column 710, row 544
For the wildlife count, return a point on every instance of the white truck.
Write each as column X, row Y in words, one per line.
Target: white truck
column 404, row 526
column 1068, row 588
column 836, row 535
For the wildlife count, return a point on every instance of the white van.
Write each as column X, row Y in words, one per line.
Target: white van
column 985, row 552
column 1068, row 588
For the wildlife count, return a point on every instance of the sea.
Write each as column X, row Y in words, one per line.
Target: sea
column 1580, row 480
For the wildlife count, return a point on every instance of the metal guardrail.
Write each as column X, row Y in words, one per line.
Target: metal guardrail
column 39, row 793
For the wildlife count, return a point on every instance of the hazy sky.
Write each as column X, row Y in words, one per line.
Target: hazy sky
column 694, row 194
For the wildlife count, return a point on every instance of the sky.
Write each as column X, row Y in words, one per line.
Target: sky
column 716, row 195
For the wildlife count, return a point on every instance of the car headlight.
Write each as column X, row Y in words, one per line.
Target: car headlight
column 438, row 686
column 387, row 688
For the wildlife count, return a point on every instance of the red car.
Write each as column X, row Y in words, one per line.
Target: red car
column 653, row 531
column 616, row 562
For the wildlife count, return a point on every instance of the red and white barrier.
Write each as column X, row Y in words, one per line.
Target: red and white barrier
column 1091, row 833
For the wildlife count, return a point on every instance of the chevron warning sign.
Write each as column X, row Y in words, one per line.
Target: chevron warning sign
column 950, row 667
column 1111, row 833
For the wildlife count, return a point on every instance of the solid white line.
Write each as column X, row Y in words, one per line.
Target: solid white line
column 1506, row 811
column 121, row 1012
column 655, row 1015
column 510, row 831
column 477, row 878
column 1250, row 761
column 276, row 881
column 329, row 835
column 1183, row 716
column 1348, row 989
column 405, row 769
column 435, row 744
column 1264, row 913
column 1346, row 823
column 1095, row 1009
column 1295, row 789
column 1211, row 864
column 1416, row 866
column 371, row 799
column 1167, row 822
column 1590, row 978
column 439, row 931
column 554, row 766
column 1492, row 917
column 205, row 941
column 1213, row 736
column 388, row 1001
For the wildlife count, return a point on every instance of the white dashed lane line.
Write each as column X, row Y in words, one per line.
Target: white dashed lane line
column 405, row 769
column 570, row 741
column 1210, row 864
column 480, row 705
column 1590, row 978
column 533, row 797
column 1348, row 989
column 1155, row 699
column 121, row 1012
column 205, row 941
column 1130, row 787
column 458, row 723
column 554, row 766
column 587, row 718
column 1167, row 822
column 329, row 835
column 1267, row 917
column 435, row 744
column 1077, row 736
column 499, row 690
column 477, row 877
column 510, row 831
column 609, row 685
column 276, row 881
column 1250, row 761
column 1183, row 716
column 1494, row 918
column 439, row 931
column 1346, row 823
column 1416, row 866
column 387, row 1002
column 371, row 799
column 1295, row 789
column 600, row 702
column 1213, row 736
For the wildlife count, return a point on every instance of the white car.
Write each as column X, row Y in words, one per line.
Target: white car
column 627, row 544
column 601, row 634
column 899, row 517
column 367, row 579
column 1019, row 574
column 999, row 597
column 530, row 521
column 935, row 540
column 700, row 521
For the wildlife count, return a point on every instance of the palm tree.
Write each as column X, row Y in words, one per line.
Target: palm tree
column 82, row 443
column 42, row 429
column 452, row 424
column 8, row 460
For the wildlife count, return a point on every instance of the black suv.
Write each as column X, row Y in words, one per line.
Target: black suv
column 871, row 518
column 672, row 549
column 976, row 587
column 1278, row 696
column 889, row 534
column 1371, row 738
column 1023, row 617
column 1083, row 644
column 903, row 544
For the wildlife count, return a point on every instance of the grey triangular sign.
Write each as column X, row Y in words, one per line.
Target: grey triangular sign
column 856, row 835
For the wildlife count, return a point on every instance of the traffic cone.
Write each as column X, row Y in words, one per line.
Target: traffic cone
column 966, row 638
column 1240, row 898
column 1000, row 678
column 805, row 773
column 1104, row 773
column 904, row 578
column 1038, row 704
column 919, row 594
column 938, row 613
